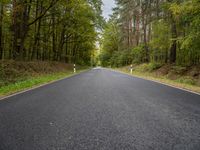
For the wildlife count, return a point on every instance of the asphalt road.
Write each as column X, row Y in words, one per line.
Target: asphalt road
column 101, row 110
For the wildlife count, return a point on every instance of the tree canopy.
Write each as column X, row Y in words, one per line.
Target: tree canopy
column 153, row 31
column 54, row 30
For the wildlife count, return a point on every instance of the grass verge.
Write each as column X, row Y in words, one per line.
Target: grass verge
column 34, row 82
column 163, row 79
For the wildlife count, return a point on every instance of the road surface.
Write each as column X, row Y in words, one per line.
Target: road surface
column 101, row 110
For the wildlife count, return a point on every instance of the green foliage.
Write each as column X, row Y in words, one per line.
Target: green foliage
column 148, row 67
column 120, row 58
column 32, row 82
column 153, row 32
column 189, row 19
column 179, row 69
column 110, row 43
column 154, row 66
column 186, row 80
column 138, row 54
column 105, row 59
column 17, row 75
column 160, row 42
column 54, row 30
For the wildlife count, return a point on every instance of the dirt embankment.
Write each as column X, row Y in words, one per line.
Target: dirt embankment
column 13, row 71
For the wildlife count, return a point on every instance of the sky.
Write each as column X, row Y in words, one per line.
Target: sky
column 107, row 8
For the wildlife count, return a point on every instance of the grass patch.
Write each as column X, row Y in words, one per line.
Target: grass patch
column 33, row 82
column 16, row 71
column 148, row 67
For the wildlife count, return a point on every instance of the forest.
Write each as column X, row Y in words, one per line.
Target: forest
column 152, row 31
column 53, row 30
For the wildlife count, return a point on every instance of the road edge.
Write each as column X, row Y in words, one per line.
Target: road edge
column 42, row 85
column 132, row 75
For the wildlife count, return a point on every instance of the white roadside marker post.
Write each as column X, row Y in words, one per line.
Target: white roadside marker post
column 131, row 69
column 74, row 68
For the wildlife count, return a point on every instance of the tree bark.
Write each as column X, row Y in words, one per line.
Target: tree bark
column 1, row 31
column 174, row 41
column 21, row 11
column 54, row 36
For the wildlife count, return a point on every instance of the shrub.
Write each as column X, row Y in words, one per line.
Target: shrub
column 154, row 66
column 138, row 54
column 179, row 69
column 186, row 80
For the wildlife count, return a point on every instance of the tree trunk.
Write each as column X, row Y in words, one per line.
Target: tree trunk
column 144, row 24
column 21, row 11
column 137, row 29
column 15, row 26
column 35, row 49
column 174, row 42
column 1, row 31
column 61, row 44
column 54, row 35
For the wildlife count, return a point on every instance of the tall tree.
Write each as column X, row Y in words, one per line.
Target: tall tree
column 158, row 31
column 1, row 29
column 55, row 30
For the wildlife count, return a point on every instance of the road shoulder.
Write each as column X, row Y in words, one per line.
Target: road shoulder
column 166, row 82
column 18, row 90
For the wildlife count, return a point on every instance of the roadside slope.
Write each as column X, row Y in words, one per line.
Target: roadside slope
column 181, row 77
column 17, row 76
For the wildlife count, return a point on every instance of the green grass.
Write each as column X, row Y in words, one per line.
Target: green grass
column 33, row 82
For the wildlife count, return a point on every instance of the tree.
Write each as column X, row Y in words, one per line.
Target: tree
column 55, row 30
column 157, row 31
column 1, row 29
column 110, row 42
